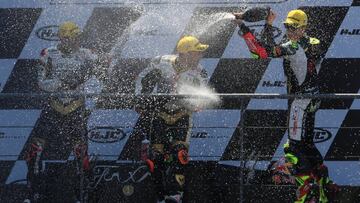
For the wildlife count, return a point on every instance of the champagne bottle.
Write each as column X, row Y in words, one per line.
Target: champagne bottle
column 256, row 14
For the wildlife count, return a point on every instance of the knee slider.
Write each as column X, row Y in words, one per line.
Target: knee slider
column 181, row 149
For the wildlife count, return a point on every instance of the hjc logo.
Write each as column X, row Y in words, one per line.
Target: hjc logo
column 106, row 134
column 49, row 33
column 321, row 135
column 277, row 83
column 350, row 32
column 200, row 135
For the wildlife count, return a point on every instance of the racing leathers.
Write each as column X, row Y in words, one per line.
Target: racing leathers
column 63, row 122
column 170, row 128
column 301, row 63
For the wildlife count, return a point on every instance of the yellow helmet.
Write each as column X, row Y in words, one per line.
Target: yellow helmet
column 190, row 43
column 69, row 29
column 296, row 18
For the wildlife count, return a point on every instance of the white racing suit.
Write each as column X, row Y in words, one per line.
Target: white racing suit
column 171, row 120
column 301, row 65
column 62, row 125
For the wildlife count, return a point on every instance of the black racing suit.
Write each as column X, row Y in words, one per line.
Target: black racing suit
column 301, row 62
column 171, row 121
column 62, row 125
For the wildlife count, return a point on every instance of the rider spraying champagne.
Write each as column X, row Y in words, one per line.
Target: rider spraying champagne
column 302, row 57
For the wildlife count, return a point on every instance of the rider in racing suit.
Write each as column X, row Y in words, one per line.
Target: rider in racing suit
column 63, row 123
column 171, row 124
column 302, row 58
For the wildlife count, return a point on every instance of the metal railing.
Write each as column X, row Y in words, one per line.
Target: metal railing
column 221, row 95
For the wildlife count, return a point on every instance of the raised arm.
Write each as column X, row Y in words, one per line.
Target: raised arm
column 267, row 35
column 254, row 45
column 265, row 46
